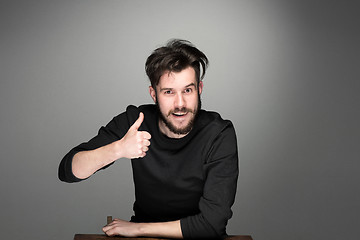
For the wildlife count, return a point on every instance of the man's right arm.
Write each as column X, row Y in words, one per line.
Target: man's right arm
column 133, row 145
column 86, row 163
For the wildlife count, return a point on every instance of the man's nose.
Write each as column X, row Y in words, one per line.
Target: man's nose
column 179, row 101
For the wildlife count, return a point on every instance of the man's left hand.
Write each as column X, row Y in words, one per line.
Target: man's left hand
column 130, row 229
column 122, row 228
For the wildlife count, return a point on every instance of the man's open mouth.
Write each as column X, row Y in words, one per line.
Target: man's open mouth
column 179, row 114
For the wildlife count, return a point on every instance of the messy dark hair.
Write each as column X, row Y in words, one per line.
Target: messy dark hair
column 175, row 57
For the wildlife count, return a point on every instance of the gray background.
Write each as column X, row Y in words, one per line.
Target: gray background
column 285, row 72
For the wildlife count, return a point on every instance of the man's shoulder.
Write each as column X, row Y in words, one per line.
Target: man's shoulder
column 131, row 114
column 146, row 108
column 212, row 124
column 215, row 131
column 149, row 111
column 213, row 119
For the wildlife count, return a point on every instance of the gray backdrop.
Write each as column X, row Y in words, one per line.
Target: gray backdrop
column 285, row 72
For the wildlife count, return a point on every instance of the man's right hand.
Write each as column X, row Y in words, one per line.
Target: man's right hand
column 135, row 143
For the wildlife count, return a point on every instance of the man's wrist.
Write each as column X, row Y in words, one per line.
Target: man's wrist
column 142, row 229
column 160, row 229
column 112, row 151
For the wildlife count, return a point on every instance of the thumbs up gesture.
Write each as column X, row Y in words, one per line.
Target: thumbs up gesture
column 135, row 143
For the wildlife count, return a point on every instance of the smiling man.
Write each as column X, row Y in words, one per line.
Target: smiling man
column 178, row 99
column 184, row 159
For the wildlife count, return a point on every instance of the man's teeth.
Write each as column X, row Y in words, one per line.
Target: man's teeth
column 179, row 114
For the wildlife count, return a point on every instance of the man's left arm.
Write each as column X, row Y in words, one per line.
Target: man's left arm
column 131, row 229
column 221, row 172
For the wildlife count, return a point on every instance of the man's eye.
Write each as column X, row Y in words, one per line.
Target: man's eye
column 168, row 92
column 188, row 90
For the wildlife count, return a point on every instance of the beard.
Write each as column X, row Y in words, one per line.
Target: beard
column 180, row 130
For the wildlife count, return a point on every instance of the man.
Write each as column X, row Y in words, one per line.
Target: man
column 184, row 159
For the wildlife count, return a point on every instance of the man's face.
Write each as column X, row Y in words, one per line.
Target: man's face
column 178, row 98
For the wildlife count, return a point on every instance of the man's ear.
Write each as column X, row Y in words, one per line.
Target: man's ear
column 201, row 85
column 152, row 93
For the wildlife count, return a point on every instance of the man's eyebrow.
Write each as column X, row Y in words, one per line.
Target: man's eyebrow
column 190, row 85
column 165, row 89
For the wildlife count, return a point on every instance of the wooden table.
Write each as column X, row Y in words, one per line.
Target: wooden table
column 104, row 237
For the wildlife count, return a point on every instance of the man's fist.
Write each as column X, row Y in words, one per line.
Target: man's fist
column 135, row 143
column 123, row 228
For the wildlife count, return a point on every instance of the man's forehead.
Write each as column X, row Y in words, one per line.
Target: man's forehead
column 184, row 78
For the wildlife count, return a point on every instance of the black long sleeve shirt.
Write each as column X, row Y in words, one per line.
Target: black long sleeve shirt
column 192, row 178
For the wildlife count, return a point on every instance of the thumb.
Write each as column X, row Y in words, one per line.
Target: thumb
column 138, row 122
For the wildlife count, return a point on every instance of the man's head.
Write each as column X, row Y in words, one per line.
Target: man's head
column 175, row 57
column 175, row 75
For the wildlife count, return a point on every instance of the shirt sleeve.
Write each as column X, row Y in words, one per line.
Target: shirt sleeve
column 113, row 131
column 221, row 173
